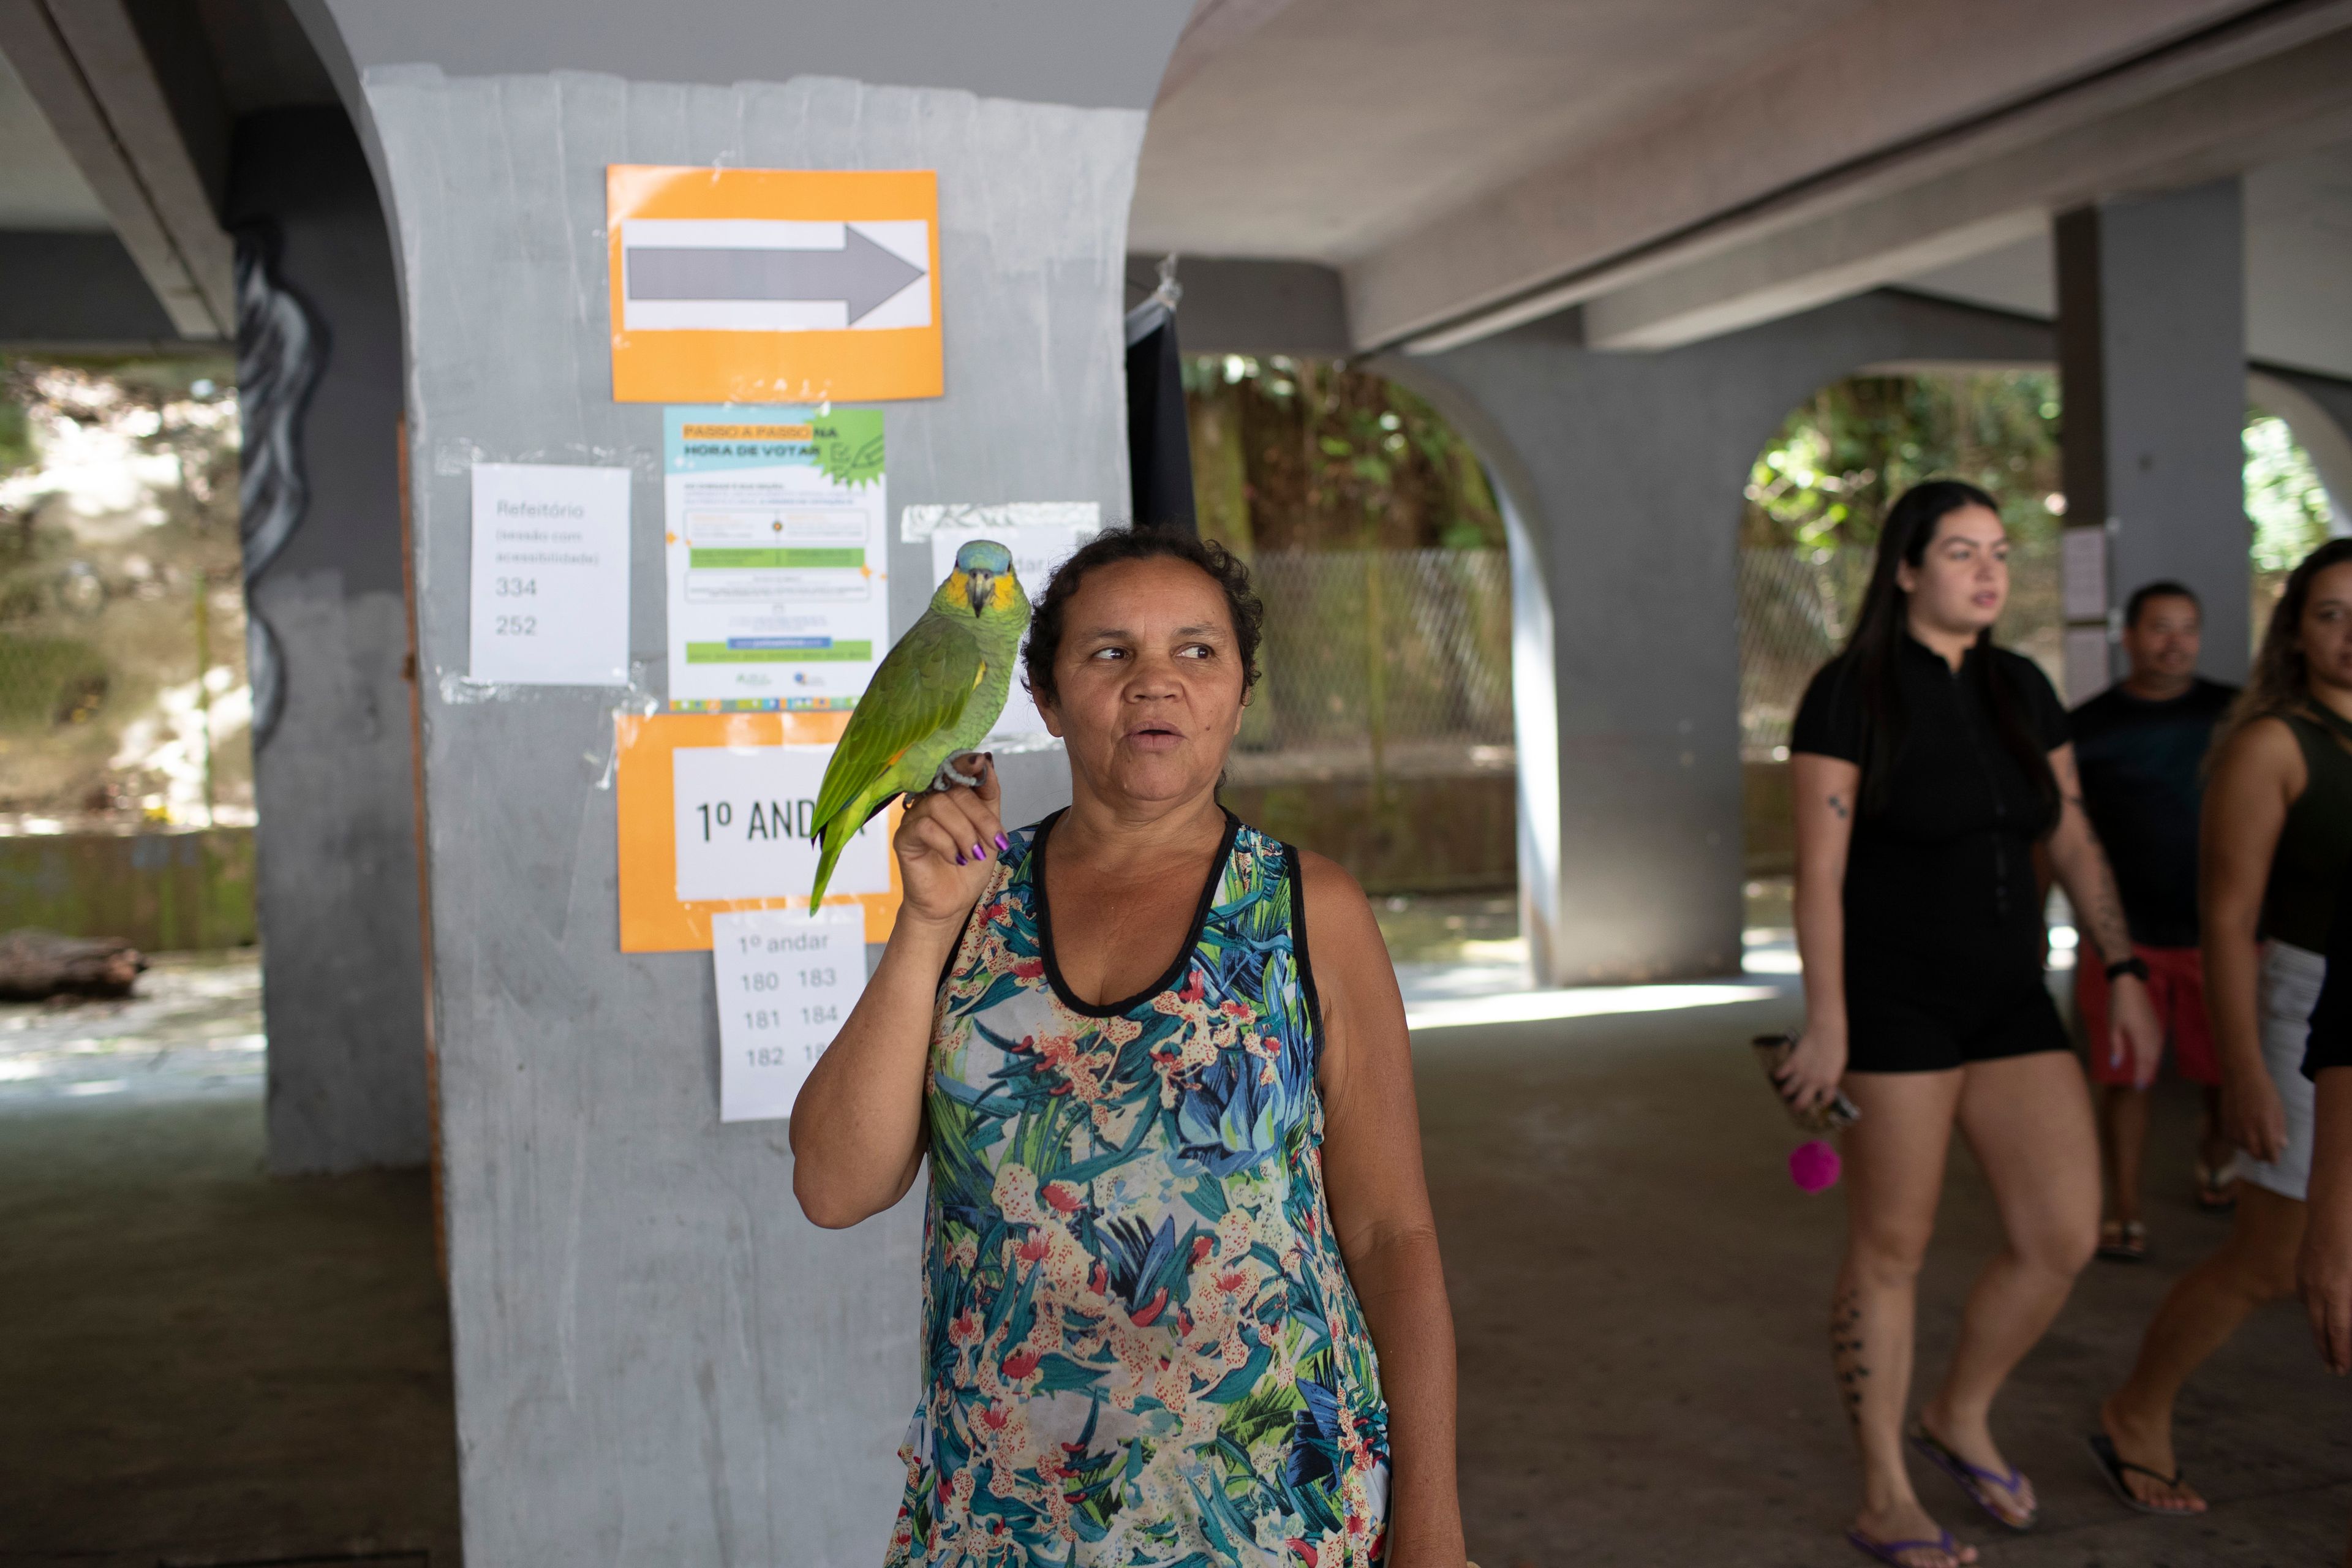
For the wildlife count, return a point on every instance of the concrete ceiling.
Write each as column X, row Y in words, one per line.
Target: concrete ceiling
column 1337, row 125
column 1682, row 168
column 2298, row 265
column 40, row 189
column 116, row 123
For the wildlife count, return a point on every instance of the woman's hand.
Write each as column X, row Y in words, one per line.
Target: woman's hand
column 2324, row 1271
column 1809, row 1078
column 946, row 845
column 2252, row 1116
column 2324, row 1274
column 2134, row 1029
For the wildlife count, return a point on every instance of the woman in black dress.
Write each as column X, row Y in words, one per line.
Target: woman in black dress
column 1927, row 762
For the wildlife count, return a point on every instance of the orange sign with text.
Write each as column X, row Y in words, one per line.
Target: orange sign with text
column 714, row 815
column 774, row 284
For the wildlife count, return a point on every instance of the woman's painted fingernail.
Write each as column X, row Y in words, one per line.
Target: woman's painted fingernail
column 1003, row 842
column 959, row 857
column 977, row 852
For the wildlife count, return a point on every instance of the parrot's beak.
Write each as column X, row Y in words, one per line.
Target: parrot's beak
column 980, row 587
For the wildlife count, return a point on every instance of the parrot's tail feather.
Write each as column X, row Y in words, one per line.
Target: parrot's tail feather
column 833, row 835
column 830, row 852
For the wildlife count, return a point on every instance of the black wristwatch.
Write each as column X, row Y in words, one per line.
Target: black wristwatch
column 2136, row 966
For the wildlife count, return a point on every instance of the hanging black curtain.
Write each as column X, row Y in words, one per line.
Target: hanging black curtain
column 1159, row 439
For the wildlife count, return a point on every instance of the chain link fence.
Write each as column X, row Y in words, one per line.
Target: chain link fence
column 1382, row 663
column 1797, row 607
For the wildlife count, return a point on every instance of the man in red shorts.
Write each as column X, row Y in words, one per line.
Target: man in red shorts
column 2141, row 748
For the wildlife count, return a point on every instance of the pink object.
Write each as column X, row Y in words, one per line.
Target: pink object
column 1814, row 1166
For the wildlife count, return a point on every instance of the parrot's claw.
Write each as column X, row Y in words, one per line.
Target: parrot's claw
column 949, row 776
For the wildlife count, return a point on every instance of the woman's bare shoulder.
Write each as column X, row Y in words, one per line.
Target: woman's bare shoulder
column 2261, row 752
column 1338, row 910
column 2267, row 738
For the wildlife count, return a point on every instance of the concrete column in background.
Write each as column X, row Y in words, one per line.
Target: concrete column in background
column 342, row 983
column 659, row 1359
column 2152, row 354
column 1624, row 475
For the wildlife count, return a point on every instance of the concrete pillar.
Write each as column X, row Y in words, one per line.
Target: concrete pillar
column 342, row 983
column 1624, row 475
column 658, row 1361
column 2152, row 351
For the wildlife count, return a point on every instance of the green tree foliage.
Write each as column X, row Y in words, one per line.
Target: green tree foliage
column 1306, row 454
column 1841, row 457
column 2284, row 499
column 16, row 430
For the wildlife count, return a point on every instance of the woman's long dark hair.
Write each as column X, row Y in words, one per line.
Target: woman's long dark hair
column 1875, row 652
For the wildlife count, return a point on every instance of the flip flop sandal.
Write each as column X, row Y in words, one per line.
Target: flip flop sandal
column 2214, row 1193
column 1975, row 1481
column 2123, row 1241
column 1891, row 1551
column 2113, row 1465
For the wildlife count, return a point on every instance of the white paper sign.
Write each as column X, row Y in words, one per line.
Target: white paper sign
column 2082, row 573
column 2087, row 663
column 786, row 979
column 550, row 589
column 743, row 816
column 1037, row 549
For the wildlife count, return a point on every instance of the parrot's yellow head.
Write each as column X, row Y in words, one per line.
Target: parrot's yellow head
column 982, row 580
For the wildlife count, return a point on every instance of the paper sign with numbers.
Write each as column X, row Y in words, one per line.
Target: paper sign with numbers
column 786, row 981
column 551, row 588
column 742, row 816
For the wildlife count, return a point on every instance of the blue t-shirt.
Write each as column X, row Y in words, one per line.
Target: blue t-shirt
column 2143, row 783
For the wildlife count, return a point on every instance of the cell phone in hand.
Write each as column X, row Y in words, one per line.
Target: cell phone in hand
column 1773, row 1052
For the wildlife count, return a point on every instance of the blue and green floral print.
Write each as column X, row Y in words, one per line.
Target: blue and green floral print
column 1142, row 1349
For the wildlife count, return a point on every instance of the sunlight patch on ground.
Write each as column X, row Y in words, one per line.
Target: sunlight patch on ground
column 193, row 1028
column 1582, row 1002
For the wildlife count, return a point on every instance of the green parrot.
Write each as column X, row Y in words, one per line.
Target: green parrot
column 934, row 696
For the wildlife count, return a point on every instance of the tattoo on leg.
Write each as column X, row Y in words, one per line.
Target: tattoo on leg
column 1845, row 1351
column 1837, row 803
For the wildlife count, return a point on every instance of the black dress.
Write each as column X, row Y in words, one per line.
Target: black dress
column 1943, row 918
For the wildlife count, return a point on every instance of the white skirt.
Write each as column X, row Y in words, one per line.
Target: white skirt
column 2286, row 994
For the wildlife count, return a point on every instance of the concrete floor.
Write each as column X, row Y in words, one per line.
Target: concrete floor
column 1640, row 1294
column 203, row 1365
column 200, row 1365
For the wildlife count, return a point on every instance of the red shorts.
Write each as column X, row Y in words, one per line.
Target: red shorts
column 2176, row 983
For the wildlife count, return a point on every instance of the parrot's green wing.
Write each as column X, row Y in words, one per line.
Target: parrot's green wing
column 919, row 688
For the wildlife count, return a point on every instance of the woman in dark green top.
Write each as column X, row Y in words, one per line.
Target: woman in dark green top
column 2277, row 844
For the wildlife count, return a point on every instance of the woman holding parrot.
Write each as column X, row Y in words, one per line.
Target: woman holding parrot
column 1183, row 1301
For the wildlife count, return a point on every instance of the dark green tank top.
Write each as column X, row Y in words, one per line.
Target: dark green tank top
column 2315, row 847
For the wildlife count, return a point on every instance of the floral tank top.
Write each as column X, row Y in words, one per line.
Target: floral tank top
column 1141, row 1346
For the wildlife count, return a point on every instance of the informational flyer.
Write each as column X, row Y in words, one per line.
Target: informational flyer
column 1041, row 535
column 786, row 980
column 779, row 590
column 550, row 599
column 742, row 819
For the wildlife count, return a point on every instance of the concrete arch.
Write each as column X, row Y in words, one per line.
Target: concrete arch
column 2319, row 412
column 1625, row 469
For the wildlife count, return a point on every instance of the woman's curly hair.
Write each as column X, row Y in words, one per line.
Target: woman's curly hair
column 1109, row 548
